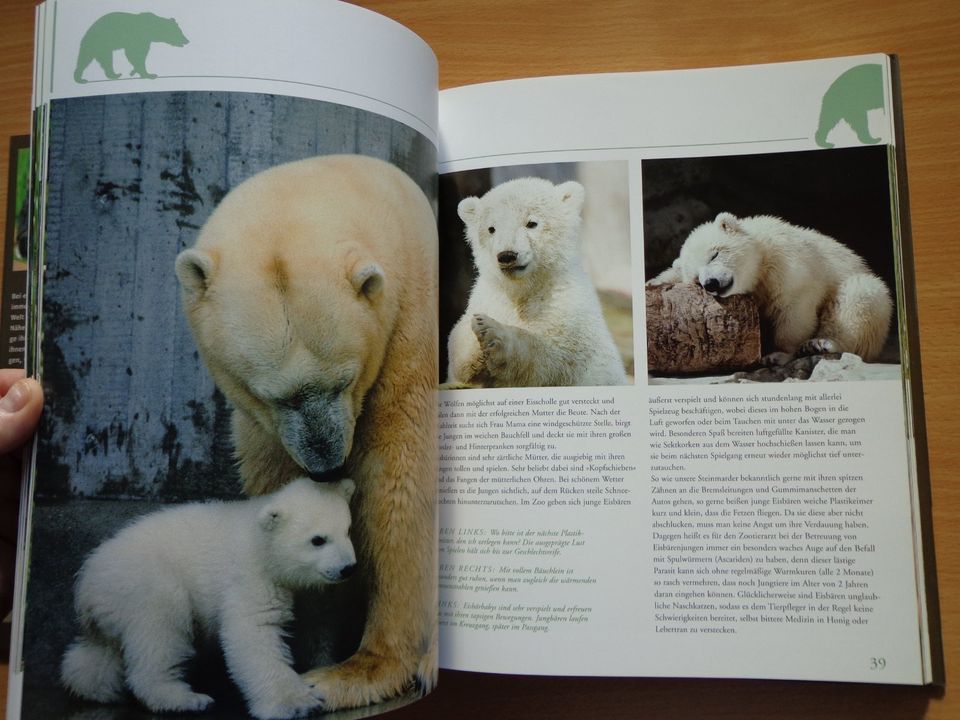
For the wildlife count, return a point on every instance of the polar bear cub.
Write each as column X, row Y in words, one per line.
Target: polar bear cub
column 533, row 318
column 230, row 570
column 818, row 294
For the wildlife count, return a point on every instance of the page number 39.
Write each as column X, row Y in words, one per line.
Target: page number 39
column 878, row 663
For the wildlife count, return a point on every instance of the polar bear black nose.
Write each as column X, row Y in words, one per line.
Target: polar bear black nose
column 347, row 570
column 712, row 285
column 506, row 258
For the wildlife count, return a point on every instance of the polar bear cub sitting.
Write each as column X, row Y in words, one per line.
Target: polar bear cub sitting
column 230, row 570
column 818, row 294
column 533, row 318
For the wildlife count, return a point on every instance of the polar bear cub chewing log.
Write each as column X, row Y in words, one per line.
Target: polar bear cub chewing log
column 533, row 318
column 817, row 294
column 227, row 569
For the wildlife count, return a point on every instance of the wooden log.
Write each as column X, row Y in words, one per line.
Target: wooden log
column 691, row 331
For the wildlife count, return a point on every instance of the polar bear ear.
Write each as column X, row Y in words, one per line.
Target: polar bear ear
column 728, row 223
column 270, row 517
column 195, row 270
column 345, row 487
column 571, row 194
column 367, row 280
column 467, row 210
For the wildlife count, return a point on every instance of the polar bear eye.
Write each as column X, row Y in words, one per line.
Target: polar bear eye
column 531, row 224
column 714, row 256
column 318, row 541
column 491, row 229
column 345, row 382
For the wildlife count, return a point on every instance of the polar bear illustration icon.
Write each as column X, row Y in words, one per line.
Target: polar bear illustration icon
column 131, row 32
column 849, row 98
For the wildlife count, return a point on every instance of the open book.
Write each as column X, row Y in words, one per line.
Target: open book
column 247, row 285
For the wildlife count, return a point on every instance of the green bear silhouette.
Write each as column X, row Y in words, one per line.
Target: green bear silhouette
column 849, row 98
column 130, row 32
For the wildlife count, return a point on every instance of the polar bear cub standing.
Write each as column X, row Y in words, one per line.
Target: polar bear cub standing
column 818, row 294
column 230, row 570
column 533, row 318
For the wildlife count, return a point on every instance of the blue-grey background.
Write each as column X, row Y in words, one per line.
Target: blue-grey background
column 133, row 419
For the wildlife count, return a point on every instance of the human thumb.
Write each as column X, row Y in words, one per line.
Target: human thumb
column 20, row 410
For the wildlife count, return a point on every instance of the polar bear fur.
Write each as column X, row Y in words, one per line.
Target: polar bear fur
column 533, row 318
column 818, row 295
column 230, row 570
column 312, row 296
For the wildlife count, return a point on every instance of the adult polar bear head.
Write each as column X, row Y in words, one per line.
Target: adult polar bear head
column 293, row 294
column 523, row 228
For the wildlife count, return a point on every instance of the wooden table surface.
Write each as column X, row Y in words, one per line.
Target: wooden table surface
column 500, row 39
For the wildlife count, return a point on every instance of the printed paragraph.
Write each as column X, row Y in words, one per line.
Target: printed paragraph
column 496, row 562
column 784, row 426
column 734, row 545
column 517, row 452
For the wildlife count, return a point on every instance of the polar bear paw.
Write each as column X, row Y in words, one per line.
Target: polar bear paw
column 492, row 337
column 194, row 702
column 818, row 346
column 363, row 679
column 428, row 669
column 294, row 699
column 812, row 347
column 174, row 696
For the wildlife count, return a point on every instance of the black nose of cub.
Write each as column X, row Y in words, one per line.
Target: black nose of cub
column 506, row 258
column 347, row 570
column 712, row 286
column 718, row 287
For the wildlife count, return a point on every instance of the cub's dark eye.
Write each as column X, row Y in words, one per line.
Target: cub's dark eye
column 714, row 256
column 531, row 224
column 318, row 540
column 491, row 229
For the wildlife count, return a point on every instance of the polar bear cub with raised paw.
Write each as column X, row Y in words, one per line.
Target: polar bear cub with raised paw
column 533, row 318
column 818, row 295
column 230, row 570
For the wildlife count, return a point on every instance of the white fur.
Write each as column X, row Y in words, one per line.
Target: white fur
column 533, row 318
column 809, row 286
column 228, row 569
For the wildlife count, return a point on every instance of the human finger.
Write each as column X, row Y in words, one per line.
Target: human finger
column 20, row 409
column 9, row 376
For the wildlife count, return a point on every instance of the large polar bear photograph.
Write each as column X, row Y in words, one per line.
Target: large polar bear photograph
column 771, row 267
column 535, row 286
column 234, row 511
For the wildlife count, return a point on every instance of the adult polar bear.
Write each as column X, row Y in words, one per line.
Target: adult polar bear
column 312, row 296
column 533, row 318
column 818, row 294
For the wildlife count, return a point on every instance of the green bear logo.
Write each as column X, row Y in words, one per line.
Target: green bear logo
column 130, row 32
column 849, row 98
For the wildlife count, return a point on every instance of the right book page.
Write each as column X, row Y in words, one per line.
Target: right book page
column 676, row 424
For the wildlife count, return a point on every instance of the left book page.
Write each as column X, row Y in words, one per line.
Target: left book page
column 13, row 323
column 231, row 504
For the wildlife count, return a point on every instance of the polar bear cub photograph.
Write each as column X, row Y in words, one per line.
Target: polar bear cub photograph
column 224, row 570
column 818, row 295
column 534, row 317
